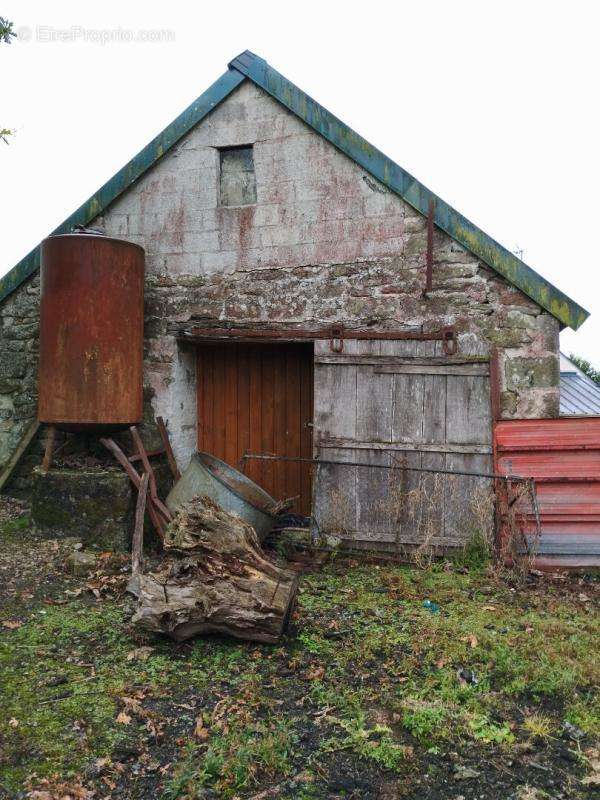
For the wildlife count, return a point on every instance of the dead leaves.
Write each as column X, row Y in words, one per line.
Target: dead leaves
column 315, row 673
column 201, row 731
column 140, row 654
column 471, row 639
column 55, row 789
column 105, row 584
column 238, row 709
column 11, row 624
column 94, row 588
column 593, row 756
column 132, row 707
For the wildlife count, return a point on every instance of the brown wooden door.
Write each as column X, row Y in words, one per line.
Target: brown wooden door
column 258, row 398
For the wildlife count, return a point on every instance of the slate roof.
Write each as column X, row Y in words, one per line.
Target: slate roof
column 252, row 67
column 579, row 395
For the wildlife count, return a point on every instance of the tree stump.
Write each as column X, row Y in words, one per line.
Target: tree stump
column 216, row 579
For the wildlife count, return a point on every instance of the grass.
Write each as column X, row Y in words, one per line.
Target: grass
column 233, row 760
column 372, row 676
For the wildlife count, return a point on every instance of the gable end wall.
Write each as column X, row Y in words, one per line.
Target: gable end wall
column 324, row 243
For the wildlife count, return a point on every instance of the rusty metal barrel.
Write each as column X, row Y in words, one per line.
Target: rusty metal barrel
column 91, row 332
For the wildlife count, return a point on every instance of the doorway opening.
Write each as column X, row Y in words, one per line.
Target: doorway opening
column 258, row 398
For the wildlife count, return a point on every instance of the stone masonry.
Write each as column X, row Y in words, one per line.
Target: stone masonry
column 324, row 243
column 18, row 371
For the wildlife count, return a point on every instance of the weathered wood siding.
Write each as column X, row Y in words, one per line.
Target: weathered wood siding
column 401, row 403
column 257, row 398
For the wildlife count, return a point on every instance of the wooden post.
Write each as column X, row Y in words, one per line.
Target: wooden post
column 136, row 480
column 139, row 445
column 162, row 429
column 49, row 449
column 137, row 543
column 18, row 453
column 495, row 388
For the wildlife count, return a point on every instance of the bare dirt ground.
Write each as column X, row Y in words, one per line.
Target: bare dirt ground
column 372, row 694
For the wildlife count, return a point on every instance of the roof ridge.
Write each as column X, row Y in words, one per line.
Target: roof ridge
column 394, row 177
column 411, row 190
column 129, row 174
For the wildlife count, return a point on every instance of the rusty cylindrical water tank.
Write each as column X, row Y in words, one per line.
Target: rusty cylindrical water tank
column 91, row 332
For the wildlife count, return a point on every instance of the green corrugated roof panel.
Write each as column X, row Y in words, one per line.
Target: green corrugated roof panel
column 372, row 160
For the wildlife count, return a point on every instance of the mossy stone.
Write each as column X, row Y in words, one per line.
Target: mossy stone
column 526, row 373
column 96, row 505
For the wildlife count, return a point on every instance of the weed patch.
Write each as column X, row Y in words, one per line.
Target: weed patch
column 374, row 694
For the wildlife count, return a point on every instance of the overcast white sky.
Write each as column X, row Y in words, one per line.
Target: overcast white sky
column 493, row 105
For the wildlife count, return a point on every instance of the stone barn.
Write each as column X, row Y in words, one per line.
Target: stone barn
column 306, row 297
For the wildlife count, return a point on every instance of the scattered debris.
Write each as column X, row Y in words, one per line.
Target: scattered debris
column 530, row 793
column 280, row 506
column 55, row 789
column 466, row 677
column 593, row 758
column 216, row 579
column 80, row 562
column 140, row 654
column 286, row 539
column 431, row 606
column 292, row 532
column 201, row 731
column 11, row 624
column 11, row 509
column 572, row 732
column 158, row 512
column 462, row 773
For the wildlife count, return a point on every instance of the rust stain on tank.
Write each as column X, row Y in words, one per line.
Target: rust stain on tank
column 91, row 332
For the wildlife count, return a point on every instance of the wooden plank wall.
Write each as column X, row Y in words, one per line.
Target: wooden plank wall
column 395, row 403
column 258, row 398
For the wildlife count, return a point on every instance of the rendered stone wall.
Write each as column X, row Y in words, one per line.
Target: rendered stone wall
column 324, row 243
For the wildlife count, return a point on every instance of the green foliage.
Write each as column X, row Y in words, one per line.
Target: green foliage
column 427, row 722
column 314, row 644
column 489, row 732
column 6, row 31
column 33, row 654
column 6, row 35
column 583, row 710
column 14, row 527
column 369, row 672
column 586, row 367
column 184, row 777
column 476, row 553
column 233, row 761
column 538, row 726
column 376, row 743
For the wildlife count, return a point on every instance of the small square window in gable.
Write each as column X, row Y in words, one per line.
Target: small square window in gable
column 238, row 181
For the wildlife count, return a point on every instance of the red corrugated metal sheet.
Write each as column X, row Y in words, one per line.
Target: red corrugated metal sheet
column 563, row 456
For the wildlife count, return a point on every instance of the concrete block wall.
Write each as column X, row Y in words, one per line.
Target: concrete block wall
column 324, row 243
